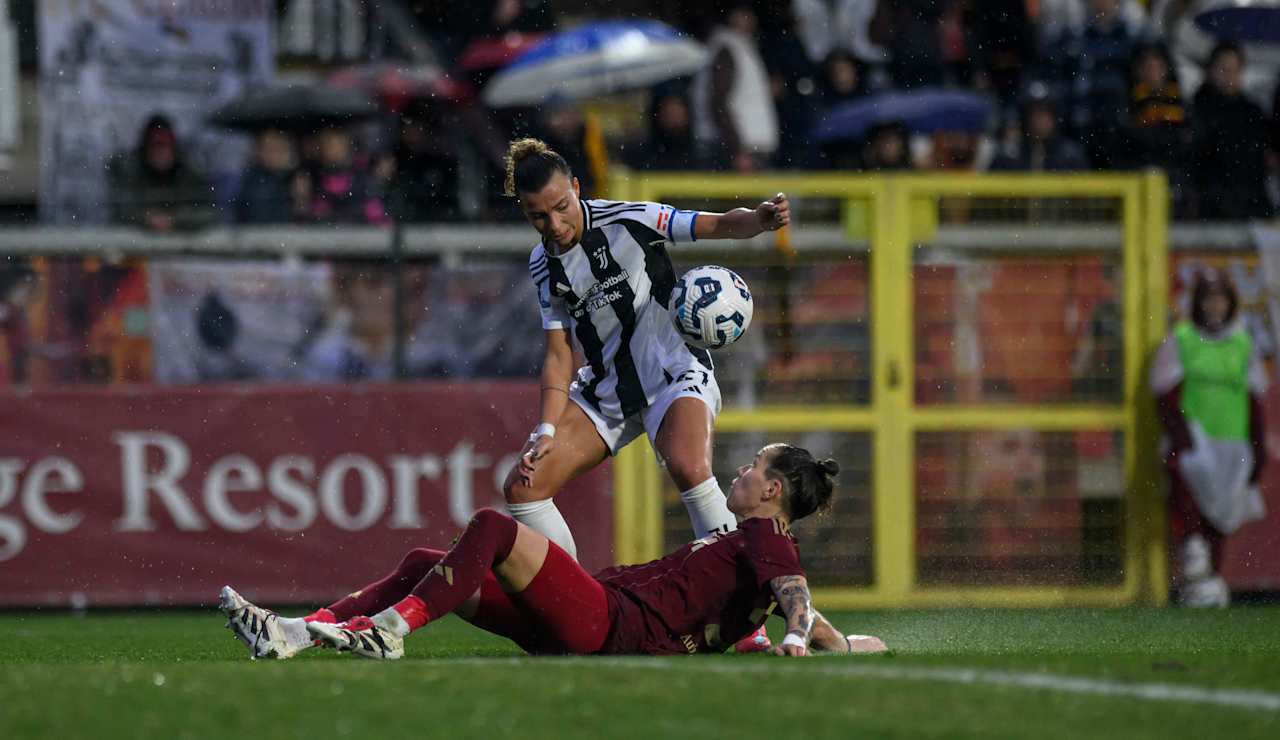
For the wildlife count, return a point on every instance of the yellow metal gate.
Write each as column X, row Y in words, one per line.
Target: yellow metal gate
column 930, row 325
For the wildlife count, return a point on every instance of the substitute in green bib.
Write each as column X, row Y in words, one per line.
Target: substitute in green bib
column 1209, row 386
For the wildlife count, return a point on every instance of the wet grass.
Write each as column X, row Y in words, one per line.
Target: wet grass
column 179, row 674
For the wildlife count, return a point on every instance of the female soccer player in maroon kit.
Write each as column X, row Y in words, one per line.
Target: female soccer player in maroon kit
column 507, row 579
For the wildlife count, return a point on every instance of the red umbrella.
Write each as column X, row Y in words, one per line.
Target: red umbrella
column 494, row 52
column 396, row 85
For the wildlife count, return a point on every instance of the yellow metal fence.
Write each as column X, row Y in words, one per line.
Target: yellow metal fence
column 890, row 222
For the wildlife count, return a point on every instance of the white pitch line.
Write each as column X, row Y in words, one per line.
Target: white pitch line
column 1242, row 698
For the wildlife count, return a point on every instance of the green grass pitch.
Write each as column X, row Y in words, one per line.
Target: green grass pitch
column 951, row 674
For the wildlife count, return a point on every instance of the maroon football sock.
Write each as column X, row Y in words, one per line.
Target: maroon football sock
column 393, row 587
column 486, row 542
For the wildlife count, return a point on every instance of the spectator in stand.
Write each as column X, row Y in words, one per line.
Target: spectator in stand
column 842, row 81
column 1056, row 18
column 669, row 144
column 153, row 186
column 824, row 26
column 1003, row 45
column 792, row 84
column 1158, row 133
column 1229, row 164
column 1040, row 147
column 731, row 100
column 912, row 31
column 338, row 190
column 579, row 140
column 887, row 148
column 269, row 189
column 424, row 167
column 1090, row 67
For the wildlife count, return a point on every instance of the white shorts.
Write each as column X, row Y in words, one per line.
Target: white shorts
column 695, row 381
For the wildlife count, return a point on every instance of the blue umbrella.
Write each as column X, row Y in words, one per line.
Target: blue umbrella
column 596, row 59
column 1246, row 23
column 922, row 111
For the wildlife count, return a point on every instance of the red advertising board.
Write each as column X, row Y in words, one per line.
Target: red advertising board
column 299, row 495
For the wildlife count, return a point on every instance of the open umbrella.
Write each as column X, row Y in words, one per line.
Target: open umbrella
column 492, row 52
column 596, row 59
column 921, row 111
column 395, row 85
column 1243, row 23
column 294, row 108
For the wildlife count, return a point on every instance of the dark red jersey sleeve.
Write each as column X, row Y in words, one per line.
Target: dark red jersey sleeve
column 770, row 549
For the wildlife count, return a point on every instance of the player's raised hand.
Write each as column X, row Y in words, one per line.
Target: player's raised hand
column 534, row 450
column 774, row 213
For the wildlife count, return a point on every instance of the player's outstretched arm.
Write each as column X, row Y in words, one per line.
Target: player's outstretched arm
column 825, row 638
column 744, row 223
column 792, row 593
column 557, row 373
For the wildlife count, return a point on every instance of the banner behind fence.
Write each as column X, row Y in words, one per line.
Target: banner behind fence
column 161, row 496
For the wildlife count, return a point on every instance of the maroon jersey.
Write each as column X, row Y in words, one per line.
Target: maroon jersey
column 703, row 597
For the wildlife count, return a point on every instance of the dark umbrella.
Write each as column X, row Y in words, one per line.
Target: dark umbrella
column 921, row 111
column 294, row 108
column 1250, row 23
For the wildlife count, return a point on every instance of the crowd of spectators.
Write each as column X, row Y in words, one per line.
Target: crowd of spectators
column 1075, row 85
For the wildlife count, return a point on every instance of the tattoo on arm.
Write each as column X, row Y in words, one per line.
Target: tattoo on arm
column 793, row 597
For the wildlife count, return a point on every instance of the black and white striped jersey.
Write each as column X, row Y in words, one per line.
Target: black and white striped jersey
column 612, row 290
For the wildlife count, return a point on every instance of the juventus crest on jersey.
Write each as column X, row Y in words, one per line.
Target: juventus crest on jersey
column 612, row 290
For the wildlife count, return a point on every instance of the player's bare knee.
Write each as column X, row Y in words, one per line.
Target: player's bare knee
column 516, row 492
column 688, row 470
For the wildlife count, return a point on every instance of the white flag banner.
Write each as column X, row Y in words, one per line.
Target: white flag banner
column 107, row 66
column 215, row 320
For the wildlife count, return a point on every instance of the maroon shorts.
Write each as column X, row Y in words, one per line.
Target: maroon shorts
column 563, row 610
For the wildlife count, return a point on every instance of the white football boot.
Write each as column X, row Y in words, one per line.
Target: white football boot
column 1201, row 587
column 1206, row 592
column 361, row 636
column 259, row 629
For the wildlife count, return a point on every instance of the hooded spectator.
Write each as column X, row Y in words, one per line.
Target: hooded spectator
column 154, row 187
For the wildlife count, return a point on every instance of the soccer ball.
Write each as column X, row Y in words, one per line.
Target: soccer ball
column 711, row 307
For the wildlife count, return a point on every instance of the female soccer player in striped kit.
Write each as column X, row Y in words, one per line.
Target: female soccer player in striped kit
column 604, row 280
column 507, row 579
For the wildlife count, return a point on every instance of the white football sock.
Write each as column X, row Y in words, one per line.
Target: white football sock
column 708, row 509
column 295, row 631
column 544, row 518
column 390, row 620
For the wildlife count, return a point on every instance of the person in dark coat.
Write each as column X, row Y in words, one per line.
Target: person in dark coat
column 268, row 188
column 1041, row 148
column 669, row 145
column 1229, row 165
column 154, row 187
column 424, row 185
